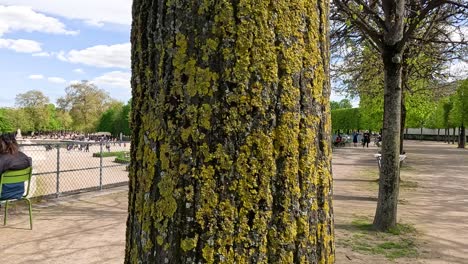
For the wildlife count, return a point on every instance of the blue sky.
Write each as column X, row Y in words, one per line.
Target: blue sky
column 46, row 45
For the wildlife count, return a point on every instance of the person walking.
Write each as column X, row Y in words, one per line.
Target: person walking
column 355, row 138
column 366, row 139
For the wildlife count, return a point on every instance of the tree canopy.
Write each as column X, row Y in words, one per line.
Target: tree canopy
column 85, row 102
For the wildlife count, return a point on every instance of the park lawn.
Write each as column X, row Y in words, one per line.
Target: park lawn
column 399, row 242
column 110, row 154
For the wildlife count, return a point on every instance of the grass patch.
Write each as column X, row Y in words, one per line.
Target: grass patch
column 110, row 154
column 399, row 242
column 371, row 174
column 121, row 160
column 407, row 168
column 408, row 184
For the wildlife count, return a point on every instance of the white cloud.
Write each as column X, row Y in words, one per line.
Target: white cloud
column 23, row 18
column 113, row 56
column 114, row 78
column 80, row 71
column 20, row 45
column 458, row 70
column 60, row 55
column 93, row 12
column 56, row 80
column 41, row 54
column 95, row 23
column 36, row 76
column 458, row 34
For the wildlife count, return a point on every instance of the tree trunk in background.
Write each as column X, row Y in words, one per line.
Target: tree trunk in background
column 462, row 138
column 392, row 49
column 447, row 135
column 438, row 134
column 230, row 158
column 454, row 136
column 403, row 122
column 421, row 134
column 386, row 212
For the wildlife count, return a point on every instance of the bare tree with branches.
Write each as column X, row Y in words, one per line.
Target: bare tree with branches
column 399, row 31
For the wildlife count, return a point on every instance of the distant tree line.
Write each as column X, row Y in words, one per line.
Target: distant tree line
column 84, row 108
column 447, row 111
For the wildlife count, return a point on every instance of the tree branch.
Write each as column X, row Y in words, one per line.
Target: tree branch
column 423, row 13
column 368, row 31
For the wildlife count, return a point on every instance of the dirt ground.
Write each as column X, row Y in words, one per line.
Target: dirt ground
column 90, row 228
column 436, row 201
column 86, row 228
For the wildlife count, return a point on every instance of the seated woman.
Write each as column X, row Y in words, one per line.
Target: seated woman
column 12, row 159
column 338, row 140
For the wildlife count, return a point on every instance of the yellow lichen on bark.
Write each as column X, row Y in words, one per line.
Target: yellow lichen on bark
column 230, row 151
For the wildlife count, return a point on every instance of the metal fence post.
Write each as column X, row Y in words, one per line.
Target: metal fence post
column 57, row 190
column 100, row 167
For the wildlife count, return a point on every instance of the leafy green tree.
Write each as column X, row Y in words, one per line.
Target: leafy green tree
column 371, row 110
column 230, row 133
column 111, row 120
column 392, row 28
column 334, row 105
column 346, row 119
column 436, row 118
column 35, row 104
column 5, row 122
column 85, row 102
column 115, row 120
column 18, row 118
column 344, row 103
column 124, row 119
column 419, row 106
column 459, row 114
column 64, row 119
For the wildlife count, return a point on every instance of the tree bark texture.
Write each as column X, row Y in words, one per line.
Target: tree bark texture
column 392, row 49
column 447, row 135
column 454, row 135
column 231, row 133
column 386, row 212
column 404, row 79
column 462, row 138
column 403, row 122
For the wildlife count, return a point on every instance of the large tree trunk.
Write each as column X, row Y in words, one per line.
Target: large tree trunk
column 462, row 139
column 231, row 133
column 386, row 212
column 392, row 47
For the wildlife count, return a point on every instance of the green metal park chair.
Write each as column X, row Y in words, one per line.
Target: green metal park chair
column 17, row 176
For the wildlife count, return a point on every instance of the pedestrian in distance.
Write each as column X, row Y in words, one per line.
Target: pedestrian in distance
column 355, row 138
column 366, row 139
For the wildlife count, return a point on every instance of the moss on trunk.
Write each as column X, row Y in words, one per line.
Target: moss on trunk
column 230, row 158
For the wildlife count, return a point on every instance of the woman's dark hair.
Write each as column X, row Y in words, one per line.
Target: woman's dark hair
column 8, row 144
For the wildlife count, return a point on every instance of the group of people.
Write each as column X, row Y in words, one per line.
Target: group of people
column 79, row 147
column 365, row 139
column 12, row 159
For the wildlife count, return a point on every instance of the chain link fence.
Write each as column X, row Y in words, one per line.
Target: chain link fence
column 71, row 167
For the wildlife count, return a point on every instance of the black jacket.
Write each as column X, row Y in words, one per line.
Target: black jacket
column 13, row 162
